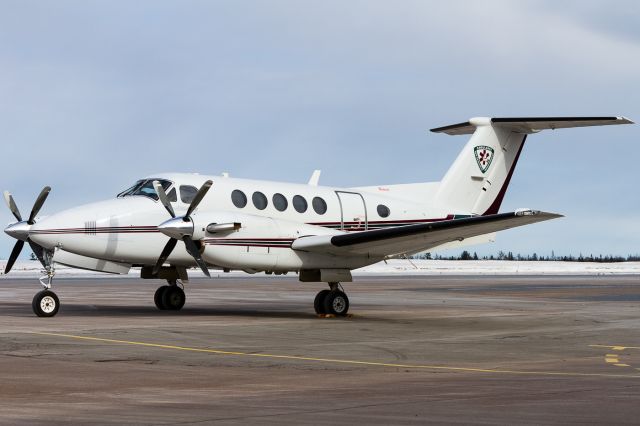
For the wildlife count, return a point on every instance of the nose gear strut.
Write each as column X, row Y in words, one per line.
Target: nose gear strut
column 46, row 303
column 49, row 272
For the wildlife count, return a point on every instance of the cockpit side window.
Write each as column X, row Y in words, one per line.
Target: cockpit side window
column 172, row 195
column 145, row 187
column 187, row 193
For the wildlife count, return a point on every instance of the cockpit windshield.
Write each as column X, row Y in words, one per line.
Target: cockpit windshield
column 145, row 187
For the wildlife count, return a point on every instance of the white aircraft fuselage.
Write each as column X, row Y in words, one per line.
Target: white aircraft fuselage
column 125, row 229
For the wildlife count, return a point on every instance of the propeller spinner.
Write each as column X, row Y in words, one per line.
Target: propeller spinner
column 20, row 229
column 180, row 227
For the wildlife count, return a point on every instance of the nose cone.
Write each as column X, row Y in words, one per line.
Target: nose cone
column 40, row 234
column 81, row 229
column 176, row 228
column 19, row 230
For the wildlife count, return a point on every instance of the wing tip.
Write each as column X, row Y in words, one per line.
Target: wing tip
column 455, row 129
column 539, row 213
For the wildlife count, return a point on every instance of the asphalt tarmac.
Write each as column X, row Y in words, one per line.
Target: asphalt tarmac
column 445, row 350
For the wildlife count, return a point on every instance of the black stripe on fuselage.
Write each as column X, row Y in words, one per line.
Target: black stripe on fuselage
column 102, row 230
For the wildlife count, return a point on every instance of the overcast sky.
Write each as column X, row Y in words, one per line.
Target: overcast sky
column 95, row 94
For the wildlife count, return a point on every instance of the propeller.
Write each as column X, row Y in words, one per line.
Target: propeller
column 14, row 255
column 180, row 227
column 20, row 229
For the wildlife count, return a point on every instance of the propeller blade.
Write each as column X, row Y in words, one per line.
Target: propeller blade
column 199, row 196
column 166, row 251
column 12, row 205
column 38, row 204
column 38, row 250
column 193, row 251
column 14, row 255
column 163, row 198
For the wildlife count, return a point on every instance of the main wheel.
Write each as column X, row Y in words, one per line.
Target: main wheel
column 336, row 303
column 45, row 303
column 318, row 303
column 157, row 297
column 173, row 298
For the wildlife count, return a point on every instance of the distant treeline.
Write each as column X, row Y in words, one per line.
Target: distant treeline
column 466, row 255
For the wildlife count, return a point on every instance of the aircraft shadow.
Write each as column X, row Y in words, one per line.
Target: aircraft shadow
column 98, row 310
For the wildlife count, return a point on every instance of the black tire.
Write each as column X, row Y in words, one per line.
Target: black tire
column 173, row 298
column 318, row 303
column 45, row 303
column 336, row 303
column 157, row 297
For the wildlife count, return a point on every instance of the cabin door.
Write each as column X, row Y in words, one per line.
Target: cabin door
column 353, row 211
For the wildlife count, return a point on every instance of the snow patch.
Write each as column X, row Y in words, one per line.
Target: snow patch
column 393, row 267
column 497, row 267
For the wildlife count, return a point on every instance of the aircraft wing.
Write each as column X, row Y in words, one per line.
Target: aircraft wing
column 415, row 238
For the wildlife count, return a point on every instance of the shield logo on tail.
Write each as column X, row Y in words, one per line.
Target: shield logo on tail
column 484, row 156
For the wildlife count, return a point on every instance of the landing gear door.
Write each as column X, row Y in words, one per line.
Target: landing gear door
column 353, row 211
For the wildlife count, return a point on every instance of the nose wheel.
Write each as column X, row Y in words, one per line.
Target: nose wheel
column 169, row 297
column 332, row 302
column 45, row 303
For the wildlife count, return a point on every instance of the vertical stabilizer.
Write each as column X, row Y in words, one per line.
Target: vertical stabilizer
column 478, row 179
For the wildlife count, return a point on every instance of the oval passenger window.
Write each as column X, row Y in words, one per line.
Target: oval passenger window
column 259, row 200
column 238, row 198
column 280, row 202
column 299, row 203
column 383, row 211
column 319, row 205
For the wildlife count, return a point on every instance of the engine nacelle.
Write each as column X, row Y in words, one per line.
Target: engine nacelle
column 252, row 243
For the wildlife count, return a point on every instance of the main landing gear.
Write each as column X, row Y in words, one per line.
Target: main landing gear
column 169, row 297
column 332, row 302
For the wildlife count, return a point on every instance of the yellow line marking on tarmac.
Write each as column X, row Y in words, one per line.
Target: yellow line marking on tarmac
column 613, row 358
column 340, row 361
column 615, row 348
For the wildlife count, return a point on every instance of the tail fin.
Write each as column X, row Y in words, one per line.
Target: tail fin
column 478, row 179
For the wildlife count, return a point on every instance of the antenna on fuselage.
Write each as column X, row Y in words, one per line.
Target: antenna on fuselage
column 315, row 178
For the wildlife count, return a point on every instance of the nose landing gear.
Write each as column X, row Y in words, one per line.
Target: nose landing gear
column 169, row 297
column 46, row 303
column 332, row 302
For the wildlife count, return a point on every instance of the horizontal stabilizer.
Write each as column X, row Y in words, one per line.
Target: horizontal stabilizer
column 529, row 124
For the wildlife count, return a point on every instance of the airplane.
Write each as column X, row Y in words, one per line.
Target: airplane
column 167, row 223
